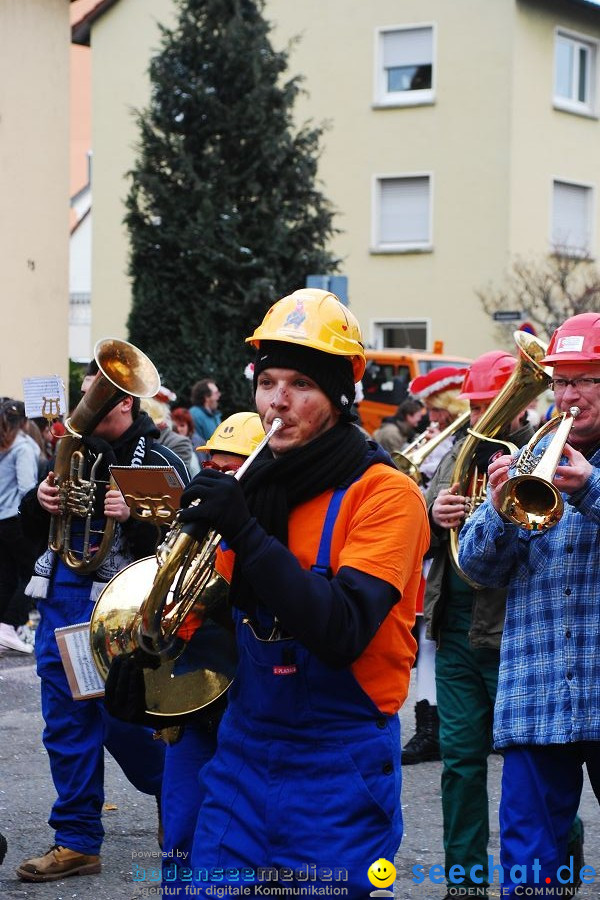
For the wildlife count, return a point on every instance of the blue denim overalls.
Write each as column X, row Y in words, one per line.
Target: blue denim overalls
column 306, row 776
column 77, row 731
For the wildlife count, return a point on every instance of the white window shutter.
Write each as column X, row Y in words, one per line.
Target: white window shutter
column 571, row 216
column 404, row 210
column 407, row 47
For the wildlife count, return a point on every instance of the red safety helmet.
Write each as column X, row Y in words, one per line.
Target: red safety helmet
column 576, row 340
column 488, row 375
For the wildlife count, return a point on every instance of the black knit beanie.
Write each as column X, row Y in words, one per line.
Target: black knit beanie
column 332, row 373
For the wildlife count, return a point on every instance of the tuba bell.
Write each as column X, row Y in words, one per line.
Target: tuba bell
column 528, row 379
column 528, row 498
column 123, row 370
column 181, row 578
column 411, row 458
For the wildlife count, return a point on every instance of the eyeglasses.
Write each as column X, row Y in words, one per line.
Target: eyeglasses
column 581, row 385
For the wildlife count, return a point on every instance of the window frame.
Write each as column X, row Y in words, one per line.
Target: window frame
column 562, row 249
column 415, row 246
column 568, row 104
column 377, row 326
column 384, row 99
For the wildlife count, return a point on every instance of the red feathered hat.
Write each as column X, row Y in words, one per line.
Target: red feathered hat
column 444, row 378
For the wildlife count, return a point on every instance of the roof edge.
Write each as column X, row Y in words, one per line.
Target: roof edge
column 81, row 31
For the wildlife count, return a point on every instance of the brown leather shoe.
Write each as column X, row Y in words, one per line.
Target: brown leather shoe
column 58, row 862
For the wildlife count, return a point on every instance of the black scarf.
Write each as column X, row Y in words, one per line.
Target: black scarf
column 274, row 487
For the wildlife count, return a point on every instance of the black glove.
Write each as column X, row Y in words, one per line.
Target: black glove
column 223, row 505
column 125, row 691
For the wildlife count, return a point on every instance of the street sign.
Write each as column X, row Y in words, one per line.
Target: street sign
column 528, row 328
column 505, row 315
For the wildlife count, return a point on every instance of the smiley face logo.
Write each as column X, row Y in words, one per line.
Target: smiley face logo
column 381, row 873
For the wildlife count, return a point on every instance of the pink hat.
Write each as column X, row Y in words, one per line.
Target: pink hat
column 445, row 378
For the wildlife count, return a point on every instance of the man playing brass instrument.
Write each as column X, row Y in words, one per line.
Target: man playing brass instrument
column 327, row 539
column 547, row 716
column 467, row 625
column 77, row 731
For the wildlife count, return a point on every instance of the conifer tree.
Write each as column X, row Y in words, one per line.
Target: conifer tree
column 224, row 211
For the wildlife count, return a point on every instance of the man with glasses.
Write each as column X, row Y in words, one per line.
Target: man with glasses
column 547, row 715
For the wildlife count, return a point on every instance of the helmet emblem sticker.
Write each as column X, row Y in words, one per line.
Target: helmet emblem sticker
column 569, row 342
column 296, row 317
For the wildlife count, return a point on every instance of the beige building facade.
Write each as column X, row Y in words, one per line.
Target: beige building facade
column 460, row 135
column 34, row 184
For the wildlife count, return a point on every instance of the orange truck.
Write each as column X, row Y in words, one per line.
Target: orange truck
column 387, row 376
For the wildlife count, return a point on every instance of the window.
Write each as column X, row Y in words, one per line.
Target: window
column 404, row 66
column 574, row 73
column 402, row 218
column 572, row 218
column 412, row 333
column 385, row 383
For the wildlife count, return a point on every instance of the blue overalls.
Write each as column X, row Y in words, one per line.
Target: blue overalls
column 306, row 776
column 77, row 731
column 211, row 646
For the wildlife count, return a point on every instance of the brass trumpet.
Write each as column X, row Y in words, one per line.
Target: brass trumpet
column 410, row 460
column 123, row 370
column 179, row 578
column 528, row 498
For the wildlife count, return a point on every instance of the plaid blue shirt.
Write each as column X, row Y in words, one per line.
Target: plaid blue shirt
column 549, row 684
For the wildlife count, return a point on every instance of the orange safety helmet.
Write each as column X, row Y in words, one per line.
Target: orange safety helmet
column 488, row 375
column 314, row 318
column 576, row 340
column 240, row 433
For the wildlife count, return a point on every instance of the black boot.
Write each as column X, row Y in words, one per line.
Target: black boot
column 424, row 745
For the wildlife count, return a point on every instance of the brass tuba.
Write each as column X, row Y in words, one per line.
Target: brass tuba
column 181, row 577
column 528, row 379
column 123, row 370
column 411, row 458
column 528, row 498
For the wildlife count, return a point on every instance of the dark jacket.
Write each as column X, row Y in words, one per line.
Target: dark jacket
column 138, row 441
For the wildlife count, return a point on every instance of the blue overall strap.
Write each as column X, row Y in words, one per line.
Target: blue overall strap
column 322, row 567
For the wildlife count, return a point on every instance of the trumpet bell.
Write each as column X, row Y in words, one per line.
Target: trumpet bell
column 529, row 498
column 127, row 368
column 532, row 503
column 189, row 682
column 405, row 465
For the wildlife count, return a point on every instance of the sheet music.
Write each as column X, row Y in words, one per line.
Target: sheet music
column 44, row 391
column 76, row 654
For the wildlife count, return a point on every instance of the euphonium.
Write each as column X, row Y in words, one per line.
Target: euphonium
column 414, row 455
column 528, row 379
column 181, row 577
column 528, row 498
column 123, row 370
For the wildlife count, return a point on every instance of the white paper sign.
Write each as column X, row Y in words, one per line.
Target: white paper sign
column 44, row 396
column 76, row 654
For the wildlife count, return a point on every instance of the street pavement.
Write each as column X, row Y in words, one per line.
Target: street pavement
column 27, row 793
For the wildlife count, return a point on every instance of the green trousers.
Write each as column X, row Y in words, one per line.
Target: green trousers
column 466, row 684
